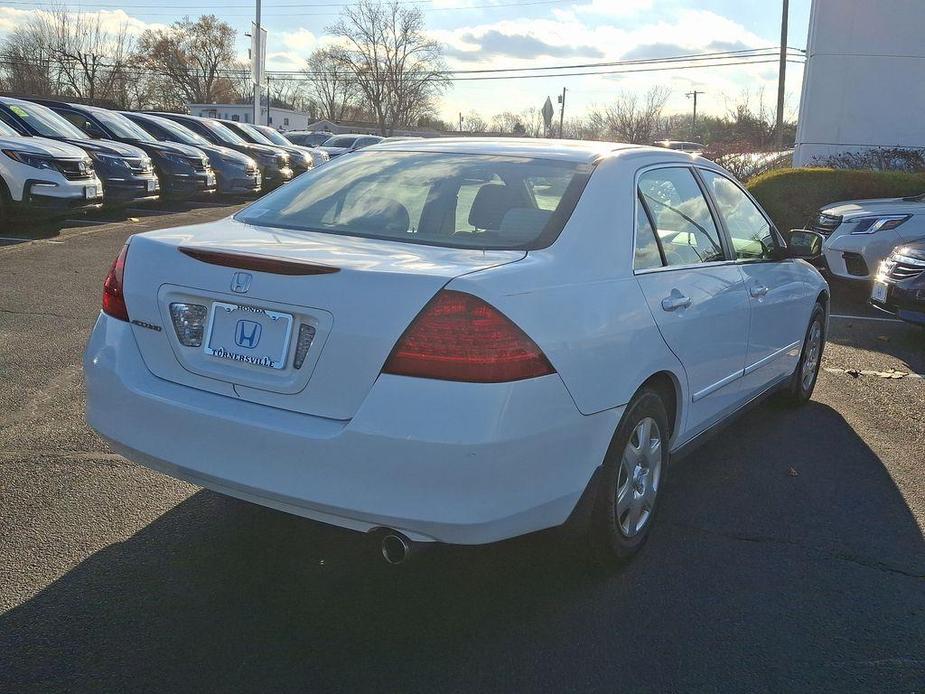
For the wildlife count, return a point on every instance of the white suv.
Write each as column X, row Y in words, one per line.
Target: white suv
column 861, row 233
column 44, row 175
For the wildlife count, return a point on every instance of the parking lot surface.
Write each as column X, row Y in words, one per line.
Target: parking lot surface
column 789, row 553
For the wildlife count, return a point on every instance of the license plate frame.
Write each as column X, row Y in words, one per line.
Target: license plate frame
column 880, row 292
column 91, row 192
column 152, row 185
column 229, row 347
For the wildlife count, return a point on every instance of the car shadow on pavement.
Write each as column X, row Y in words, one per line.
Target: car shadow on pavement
column 784, row 558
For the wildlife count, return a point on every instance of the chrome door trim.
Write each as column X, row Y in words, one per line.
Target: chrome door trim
column 701, row 394
column 771, row 357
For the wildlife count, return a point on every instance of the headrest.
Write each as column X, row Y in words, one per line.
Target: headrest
column 491, row 203
column 375, row 213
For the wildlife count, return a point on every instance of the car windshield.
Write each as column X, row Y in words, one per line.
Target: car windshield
column 224, row 133
column 7, row 131
column 179, row 132
column 453, row 200
column 46, row 122
column 255, row 134
column 273, row 136
column 341, row 141
column 121, row 126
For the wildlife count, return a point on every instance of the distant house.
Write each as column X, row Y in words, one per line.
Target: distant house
column 280, row 118
column 367, row 128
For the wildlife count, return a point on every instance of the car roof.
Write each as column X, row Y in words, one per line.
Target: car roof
column 579, row 151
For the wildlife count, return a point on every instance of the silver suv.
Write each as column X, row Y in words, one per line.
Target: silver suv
column 861, row 233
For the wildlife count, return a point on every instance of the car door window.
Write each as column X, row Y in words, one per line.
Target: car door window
column 751, row 233
column 683, row 222
column 647, row 254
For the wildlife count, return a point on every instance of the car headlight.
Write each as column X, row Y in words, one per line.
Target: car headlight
column 870, row 225
column 113, row 159
column 302, row 159
column 37, row 161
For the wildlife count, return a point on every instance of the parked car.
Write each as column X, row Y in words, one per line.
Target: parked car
column 341, row 144
column 125, row 171
column 411, row 341
column 183, row 171
column 299, row 160
column 235, row 173
column 899, row 287
column 39, row 176
column 277, row 138
column 861, row 233
column 309, row 138
column 273, row 162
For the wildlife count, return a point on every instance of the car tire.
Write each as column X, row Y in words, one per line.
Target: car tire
column 800, row 387
column 630, row 480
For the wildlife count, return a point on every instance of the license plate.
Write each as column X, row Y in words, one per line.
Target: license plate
column 879, row 292
column 152, row 185
column 257, row 179
column 91, row 192
column 249, row 335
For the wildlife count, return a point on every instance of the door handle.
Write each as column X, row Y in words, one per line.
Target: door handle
column 757, row 290
column 675, row 301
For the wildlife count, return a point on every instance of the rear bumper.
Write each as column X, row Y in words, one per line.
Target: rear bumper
column 453, row 462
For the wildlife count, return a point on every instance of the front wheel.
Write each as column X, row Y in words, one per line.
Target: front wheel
column 801, row 385
column 632, row 476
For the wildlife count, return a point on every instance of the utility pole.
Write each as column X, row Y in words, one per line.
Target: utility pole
column 269, row 98
column 460, row 121
column 782, row 75
column 694, row 117
column 561, row 112
column 257, row 67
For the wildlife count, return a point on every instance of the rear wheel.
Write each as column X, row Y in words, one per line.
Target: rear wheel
column 632, row 477
column 801, row 385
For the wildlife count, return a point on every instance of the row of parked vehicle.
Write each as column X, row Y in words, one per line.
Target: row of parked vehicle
column 58, row 157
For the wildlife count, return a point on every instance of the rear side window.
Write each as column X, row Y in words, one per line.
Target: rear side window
column 683, row 223
column 647, row 255
column 454, row 200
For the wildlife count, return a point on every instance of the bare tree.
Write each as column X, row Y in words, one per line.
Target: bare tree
column 63, row 52
column 475, row 123
column 333, row 84
column 194, row 61
column 26, row 62
column 398, row 69
column 634, row 119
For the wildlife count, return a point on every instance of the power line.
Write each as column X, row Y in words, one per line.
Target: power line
column 40, row 4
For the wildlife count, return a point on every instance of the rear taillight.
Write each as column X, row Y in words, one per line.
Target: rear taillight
column 459, row 337
column 113, row 299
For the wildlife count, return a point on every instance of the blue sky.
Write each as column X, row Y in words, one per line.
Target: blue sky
column 529, row 33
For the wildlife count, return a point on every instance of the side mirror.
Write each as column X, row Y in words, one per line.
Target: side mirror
column 802, row 243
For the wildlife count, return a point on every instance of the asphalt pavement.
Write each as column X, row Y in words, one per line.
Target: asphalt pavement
column 789, row 554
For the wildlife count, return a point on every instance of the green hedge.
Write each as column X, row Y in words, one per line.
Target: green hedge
column 793, row 196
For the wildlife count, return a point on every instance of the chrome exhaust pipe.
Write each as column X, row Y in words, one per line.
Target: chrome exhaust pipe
column 395, row 547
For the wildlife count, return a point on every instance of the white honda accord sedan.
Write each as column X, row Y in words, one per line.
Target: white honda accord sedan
column 457, row 340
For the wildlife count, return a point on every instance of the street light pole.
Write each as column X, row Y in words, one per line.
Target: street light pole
column 781, row 79
column 257, row 89
column 561, row 112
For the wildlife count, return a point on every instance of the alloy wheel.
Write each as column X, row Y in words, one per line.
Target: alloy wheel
column 638, row 478
column 811, row 355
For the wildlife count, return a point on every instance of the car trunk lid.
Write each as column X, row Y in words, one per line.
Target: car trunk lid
column 354, row 295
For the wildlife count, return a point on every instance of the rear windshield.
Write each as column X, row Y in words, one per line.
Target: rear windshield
column 454, row 200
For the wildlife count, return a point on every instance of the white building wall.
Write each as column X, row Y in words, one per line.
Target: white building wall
column 864, row 82
column 280, row 118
